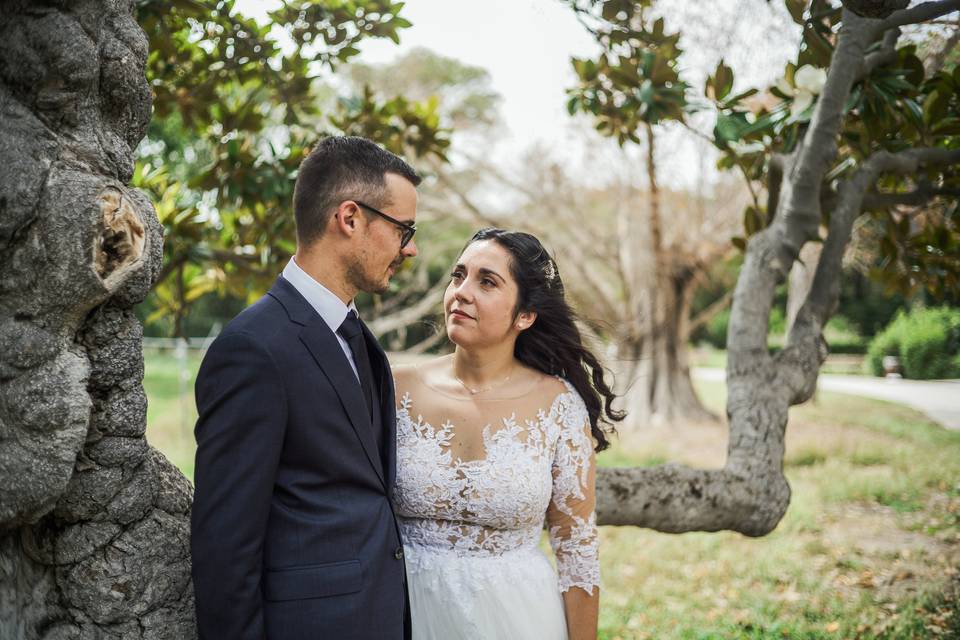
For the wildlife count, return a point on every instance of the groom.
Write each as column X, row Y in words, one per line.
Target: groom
column 293, row 533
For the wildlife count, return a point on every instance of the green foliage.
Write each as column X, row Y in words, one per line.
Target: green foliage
column 237, row 106
column 635, row 81
column 715, row 331
column 865, row 304
column 893, row 108
column 927, row 341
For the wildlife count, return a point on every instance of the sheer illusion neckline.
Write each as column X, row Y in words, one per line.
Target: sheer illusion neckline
column 473, row 397
column 510, row 428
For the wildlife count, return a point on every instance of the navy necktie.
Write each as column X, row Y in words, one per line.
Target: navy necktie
column 352, row 332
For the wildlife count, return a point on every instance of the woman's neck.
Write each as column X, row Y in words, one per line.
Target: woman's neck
column 477, row 368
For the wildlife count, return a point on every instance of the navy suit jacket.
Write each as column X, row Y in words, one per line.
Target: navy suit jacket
column 293, row 533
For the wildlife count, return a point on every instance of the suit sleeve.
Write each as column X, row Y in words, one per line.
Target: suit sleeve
column 240, row 430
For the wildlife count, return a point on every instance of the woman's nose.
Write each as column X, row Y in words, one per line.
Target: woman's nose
column 462, row 293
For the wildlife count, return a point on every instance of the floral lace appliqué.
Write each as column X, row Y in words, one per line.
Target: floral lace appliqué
column 534, row 471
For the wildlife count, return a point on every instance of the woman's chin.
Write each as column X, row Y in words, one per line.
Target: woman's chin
column 457, row 335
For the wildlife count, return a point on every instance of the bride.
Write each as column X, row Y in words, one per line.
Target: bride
column 494, row 440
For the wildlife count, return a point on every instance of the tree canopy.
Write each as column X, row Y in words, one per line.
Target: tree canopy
column 236, row 106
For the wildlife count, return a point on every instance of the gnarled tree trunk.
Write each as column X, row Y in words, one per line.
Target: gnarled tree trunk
column 94, row 524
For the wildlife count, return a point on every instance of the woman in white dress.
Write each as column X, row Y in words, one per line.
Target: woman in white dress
column 493, row 442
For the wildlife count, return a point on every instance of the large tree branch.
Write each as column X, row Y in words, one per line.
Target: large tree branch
column 675, row 499
column 801, row 210
column 774, row 181
column 916, row 198
column 886, row 54
column 806, row 348
column 772, row 252
column 919, row 13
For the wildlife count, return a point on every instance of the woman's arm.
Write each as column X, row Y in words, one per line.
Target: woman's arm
column 582, row 610
column 571, row 519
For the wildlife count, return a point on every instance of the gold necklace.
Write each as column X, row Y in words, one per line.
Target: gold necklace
column 474, row 392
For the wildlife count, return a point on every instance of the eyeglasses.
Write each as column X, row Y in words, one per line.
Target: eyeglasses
column 407, row 229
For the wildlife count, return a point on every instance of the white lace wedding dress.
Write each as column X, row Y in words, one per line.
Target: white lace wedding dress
column 471, row 517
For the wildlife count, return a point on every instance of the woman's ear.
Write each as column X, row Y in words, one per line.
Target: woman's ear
column 525, row 320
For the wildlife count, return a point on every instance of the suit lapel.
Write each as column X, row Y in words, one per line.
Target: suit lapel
column 326, row 351
column 323, row 345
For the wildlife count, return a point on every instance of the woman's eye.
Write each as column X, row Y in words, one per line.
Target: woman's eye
column 456, row 275
column 488, row 282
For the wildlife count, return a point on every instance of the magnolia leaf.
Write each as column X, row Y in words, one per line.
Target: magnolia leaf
column 795, row 8
column 722, row 80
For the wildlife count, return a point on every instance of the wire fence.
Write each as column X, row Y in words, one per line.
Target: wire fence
column 182, row 349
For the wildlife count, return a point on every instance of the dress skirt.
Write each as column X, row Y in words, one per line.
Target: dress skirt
column 463, row 596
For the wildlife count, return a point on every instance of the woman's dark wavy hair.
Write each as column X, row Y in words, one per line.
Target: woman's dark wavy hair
column 552, row 344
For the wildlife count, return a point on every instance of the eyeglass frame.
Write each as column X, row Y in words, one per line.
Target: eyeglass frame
column 408, row 229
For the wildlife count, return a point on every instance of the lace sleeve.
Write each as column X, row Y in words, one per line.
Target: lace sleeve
column 571, row 516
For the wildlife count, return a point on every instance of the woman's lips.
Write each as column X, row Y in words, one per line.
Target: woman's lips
column 460, row 314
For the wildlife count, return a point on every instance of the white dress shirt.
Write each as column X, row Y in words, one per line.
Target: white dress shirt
column 326, row 303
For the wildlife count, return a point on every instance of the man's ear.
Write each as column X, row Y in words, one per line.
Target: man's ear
column 346, row 218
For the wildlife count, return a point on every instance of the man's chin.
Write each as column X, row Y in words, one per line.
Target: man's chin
column 381, row 287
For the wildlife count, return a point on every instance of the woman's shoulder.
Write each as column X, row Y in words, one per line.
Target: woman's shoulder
column 548, row 384
column 412, row 374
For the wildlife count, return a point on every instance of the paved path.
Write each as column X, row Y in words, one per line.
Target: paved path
column 938, row 399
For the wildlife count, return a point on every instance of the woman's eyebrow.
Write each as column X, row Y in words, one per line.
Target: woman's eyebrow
column 484, row 271
column 490, row 272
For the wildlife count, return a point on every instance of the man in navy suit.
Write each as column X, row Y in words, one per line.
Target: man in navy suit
column 293, row 533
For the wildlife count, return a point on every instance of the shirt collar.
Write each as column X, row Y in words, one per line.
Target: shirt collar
column 326, row 303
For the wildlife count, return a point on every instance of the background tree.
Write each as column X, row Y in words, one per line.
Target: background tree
column 877, row 132
column 633, row 85
column 236, row 106
column 585, row 226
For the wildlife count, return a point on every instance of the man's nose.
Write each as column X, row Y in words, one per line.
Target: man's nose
column 410, row 251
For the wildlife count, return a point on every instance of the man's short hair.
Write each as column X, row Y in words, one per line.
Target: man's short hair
column 342, row 168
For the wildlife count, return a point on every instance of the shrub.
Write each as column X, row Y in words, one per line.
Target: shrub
column 842, row 337
column 927, row 342
column 715, row 333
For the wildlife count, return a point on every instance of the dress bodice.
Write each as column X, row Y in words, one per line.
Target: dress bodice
column 532, row 470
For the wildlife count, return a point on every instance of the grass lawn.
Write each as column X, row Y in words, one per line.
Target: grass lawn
column 847, row 364
column 869, row 548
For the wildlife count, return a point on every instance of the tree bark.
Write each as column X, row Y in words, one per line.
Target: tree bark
column 801, row 280
column 94, row 524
